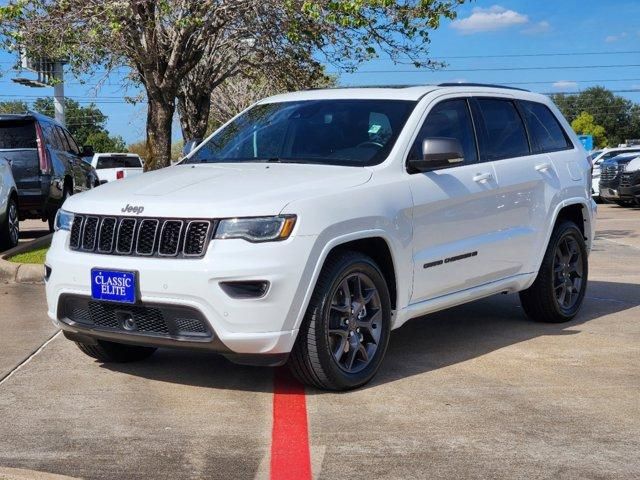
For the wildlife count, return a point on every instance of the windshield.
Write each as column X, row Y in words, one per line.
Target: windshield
column 334, row 132
column 616, row 153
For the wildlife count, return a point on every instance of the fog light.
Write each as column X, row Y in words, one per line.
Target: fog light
column 245, row 289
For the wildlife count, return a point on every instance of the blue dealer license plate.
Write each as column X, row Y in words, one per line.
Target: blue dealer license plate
column 113, row 286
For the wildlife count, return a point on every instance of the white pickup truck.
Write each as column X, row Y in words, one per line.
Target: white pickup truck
column 116, row 166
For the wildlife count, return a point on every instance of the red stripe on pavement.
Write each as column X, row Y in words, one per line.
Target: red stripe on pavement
column 290, row 458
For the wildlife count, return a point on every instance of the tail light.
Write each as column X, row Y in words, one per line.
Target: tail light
column 119, row 174
column 43, row 156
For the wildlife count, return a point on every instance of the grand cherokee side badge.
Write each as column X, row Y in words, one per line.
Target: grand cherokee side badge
column 135, row 209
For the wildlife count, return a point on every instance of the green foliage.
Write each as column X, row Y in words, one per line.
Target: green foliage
column 85, row 123
column 13, row 106
column 163, row 41
column 619, row 117
column 103, row 142
column 584, row 124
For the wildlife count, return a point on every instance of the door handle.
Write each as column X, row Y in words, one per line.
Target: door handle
column 543, row 167
column 482, row 177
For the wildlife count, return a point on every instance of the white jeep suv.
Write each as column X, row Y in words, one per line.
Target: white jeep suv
column 314, row 223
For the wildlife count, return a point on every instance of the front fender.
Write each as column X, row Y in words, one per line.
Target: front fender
column 324, row 244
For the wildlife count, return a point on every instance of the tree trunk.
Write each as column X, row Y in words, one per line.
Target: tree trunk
column 194, row 109
column 159, row 118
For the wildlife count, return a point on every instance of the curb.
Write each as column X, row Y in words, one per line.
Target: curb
column 11, row 272
column 22, row 474
column 21, row 272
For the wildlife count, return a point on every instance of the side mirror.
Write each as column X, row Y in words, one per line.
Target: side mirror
column 190, row 146
column 438, row 152
column 87, row 151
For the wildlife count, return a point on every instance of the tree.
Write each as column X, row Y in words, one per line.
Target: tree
column 163, row 41
column 102, row 142
column 619, row 116
column 584, row 124
column 85, row 123
column 13, row 106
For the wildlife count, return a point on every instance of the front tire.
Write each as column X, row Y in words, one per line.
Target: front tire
column 345, row 331
column 10, row 229
column 558, row 291
column 110, row 352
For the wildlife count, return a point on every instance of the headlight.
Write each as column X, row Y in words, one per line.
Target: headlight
column 258, row 229
column 63, row 220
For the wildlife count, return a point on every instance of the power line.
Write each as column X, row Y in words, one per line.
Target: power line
column 492, row 69
column 543, row 54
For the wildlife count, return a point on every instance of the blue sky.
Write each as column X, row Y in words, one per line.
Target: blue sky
column 593, row 28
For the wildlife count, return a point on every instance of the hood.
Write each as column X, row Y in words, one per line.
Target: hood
column 217, row 190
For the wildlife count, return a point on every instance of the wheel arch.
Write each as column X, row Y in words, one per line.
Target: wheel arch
column 380, row 252
column 576, row 210
column 365, row 242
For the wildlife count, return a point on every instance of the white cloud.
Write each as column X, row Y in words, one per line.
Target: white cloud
column 615, row 38
column 565, row 84
column 489, row 20
column 537, row 28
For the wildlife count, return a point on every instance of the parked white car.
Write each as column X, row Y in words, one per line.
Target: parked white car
column 117, row 166
column 9, row 225
column 314, row 223
column 600, row 156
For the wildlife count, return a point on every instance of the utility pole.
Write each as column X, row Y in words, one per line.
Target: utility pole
column 58, row 91
column 50, row 74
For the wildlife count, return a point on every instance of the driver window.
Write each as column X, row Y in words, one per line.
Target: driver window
column 448, row 119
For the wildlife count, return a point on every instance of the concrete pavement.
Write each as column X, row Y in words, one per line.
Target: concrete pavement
column 473, row 392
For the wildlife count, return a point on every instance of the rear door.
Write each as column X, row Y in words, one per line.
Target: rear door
column 455, row 214
column 526, row 176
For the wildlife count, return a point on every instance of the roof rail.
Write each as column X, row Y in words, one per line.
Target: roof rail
column 490, row 85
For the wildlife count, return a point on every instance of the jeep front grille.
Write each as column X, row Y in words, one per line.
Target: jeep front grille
column 625, row 180
column 610, row 172
column 144, row 237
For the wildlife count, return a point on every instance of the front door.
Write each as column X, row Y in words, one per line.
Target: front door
column 455, row 215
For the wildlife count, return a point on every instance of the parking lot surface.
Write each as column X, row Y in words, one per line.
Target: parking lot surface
column 477, row 391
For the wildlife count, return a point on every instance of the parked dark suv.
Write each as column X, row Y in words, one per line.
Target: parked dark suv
column 46, row 163
column 611, row 172
column 630, row 183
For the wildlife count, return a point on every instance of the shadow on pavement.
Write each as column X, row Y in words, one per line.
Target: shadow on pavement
column 425, row 344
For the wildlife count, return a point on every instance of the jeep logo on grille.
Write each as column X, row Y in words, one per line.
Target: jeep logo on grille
column 132, row 209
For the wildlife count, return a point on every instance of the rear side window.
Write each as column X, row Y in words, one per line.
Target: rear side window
column 118, row 162
column 73, row 147
column 546, row 133
column 505, row 135
column 448, row 119
column 17, row 134
column 63, row 140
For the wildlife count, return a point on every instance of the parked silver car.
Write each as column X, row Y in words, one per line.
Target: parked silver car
column 9, row 226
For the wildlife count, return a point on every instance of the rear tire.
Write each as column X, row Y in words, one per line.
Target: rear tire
column 558, row 291
column 345, row 331
column 110, row 352
column 66, row 193
column 10, row 228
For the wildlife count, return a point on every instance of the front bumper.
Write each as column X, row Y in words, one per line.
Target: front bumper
column 609, row 193
column 630, row 193
column 246, row 326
